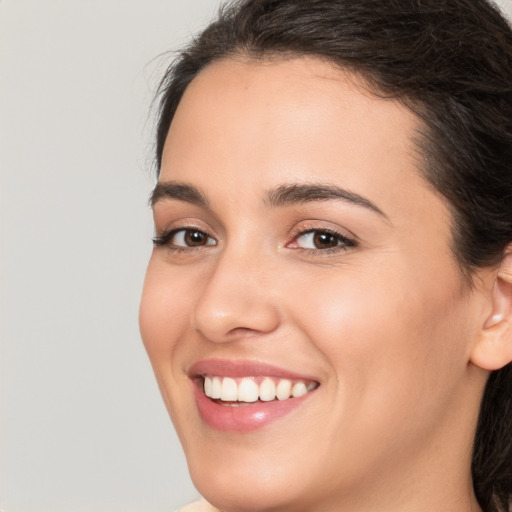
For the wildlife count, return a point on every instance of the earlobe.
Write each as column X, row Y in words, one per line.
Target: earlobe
column 495, row 319
column 493, row 349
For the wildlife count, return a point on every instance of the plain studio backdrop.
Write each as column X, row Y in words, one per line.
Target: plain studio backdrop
column 83, row 427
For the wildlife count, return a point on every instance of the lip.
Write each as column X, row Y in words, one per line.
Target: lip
column 243, row 368
column 247, row 417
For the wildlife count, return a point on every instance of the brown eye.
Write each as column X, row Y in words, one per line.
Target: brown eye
column 190, row 238
column 320, row 239
column 195, row 238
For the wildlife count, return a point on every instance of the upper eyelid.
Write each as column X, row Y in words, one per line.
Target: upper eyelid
column 347, row 241
column 178, row 224
column 167, row 211
column 323, row 230
column 170, row 213
column 300, row 228
column 164, row 238
column 321, row 225
column 173, row 231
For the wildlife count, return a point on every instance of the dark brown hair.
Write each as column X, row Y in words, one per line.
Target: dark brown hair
column 450, row 61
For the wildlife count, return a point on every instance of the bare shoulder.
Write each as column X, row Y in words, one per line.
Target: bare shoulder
column 199, row 506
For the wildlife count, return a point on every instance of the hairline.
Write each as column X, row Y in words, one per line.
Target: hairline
column 365, row 82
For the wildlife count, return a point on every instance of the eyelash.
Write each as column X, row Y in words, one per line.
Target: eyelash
column 164, row 240
column 346, row 243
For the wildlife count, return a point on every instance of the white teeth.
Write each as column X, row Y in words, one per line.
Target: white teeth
column 267, row 390
column 229, row 390
column 299, row 389
column 247, row 390
column 208, row 386
column 283, row 389
column 216, row 387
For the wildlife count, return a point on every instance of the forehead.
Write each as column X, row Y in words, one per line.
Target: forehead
column 245, row 127
column 283, row 113
column 257, row 124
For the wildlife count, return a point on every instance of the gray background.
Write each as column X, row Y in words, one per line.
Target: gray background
column 82, row 424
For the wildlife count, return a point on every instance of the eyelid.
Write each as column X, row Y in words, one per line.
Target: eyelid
column 349, row 240
column 163, row 239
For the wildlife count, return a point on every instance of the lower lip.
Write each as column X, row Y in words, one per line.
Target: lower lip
column 243, row 418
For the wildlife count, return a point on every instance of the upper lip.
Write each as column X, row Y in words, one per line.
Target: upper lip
column 243, row 368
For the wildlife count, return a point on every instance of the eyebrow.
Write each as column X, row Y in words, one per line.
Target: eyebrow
column 283, row 195
column 180, row 192
column 294, row 193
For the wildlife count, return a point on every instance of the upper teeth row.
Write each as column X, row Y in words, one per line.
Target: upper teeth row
column 247, row 390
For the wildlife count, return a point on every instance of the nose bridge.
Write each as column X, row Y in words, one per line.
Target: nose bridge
column 236, row 299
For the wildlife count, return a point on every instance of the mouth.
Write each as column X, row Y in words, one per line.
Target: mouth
column 247, row 390
column 243, row 396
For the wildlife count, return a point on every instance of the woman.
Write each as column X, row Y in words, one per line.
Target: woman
column 328, row 304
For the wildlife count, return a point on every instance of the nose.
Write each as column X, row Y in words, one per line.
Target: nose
column 237, row 300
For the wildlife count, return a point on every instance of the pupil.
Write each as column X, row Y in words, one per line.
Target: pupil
column 325, row 240
column 195, row 238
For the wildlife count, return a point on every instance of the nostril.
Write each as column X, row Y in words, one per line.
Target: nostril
column 242, row 332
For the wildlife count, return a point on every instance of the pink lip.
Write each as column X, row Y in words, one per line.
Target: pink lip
column 227, row 368
column 242, row 418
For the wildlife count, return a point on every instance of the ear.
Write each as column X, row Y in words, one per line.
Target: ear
column 493, row 349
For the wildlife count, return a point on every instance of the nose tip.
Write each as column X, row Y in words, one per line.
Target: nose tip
column 224, row 324
column 234, row 304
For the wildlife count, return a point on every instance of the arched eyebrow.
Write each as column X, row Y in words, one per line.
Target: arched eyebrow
column 297, row 193
column 283, row 195
column 178, row 191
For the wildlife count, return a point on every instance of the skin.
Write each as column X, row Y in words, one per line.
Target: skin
column 388, row 326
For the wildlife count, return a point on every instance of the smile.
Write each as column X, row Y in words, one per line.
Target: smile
column 253, row 389
column 241, row 396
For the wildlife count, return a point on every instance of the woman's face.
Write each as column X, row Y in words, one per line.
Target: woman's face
column 300, row 252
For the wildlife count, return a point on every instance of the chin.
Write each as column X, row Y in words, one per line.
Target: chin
column 244, row 482
column 248, row 492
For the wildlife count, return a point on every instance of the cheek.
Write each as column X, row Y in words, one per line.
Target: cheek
column 384, row 336
column 395, row 356
column 164, row 317
column 164, row 311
